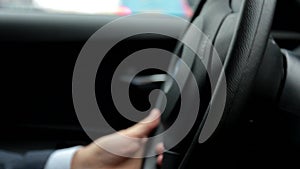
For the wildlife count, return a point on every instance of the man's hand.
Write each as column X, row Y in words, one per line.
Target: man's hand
column 95, row 157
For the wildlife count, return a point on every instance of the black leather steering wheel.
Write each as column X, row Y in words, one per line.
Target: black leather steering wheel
column 239, row 30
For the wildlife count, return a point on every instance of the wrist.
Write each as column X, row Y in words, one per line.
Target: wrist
column 77, row 160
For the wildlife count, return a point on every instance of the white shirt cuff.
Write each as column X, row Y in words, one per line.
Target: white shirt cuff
column 61, row 159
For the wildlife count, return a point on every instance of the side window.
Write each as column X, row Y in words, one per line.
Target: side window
column 183, row 8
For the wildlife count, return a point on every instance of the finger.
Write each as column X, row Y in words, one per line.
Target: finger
column 159, row 160
column 119, row 145
column 160, row 148
column 144, row 128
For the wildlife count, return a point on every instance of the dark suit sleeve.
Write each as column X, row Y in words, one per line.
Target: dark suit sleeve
column 31, row 160
column 9, row 160
column 36, row 159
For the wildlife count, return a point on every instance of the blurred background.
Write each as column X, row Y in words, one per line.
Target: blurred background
column 183, row 8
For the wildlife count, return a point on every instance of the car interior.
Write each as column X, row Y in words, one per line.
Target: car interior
column 258, row 42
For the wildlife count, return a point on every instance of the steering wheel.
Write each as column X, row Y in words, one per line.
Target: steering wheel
column 239, row 31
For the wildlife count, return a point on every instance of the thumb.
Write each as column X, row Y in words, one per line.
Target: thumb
column 144, row 128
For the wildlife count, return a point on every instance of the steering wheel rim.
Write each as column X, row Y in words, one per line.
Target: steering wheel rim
column 242, row 55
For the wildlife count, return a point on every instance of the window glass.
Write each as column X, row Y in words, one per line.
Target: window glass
column 182, row 8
